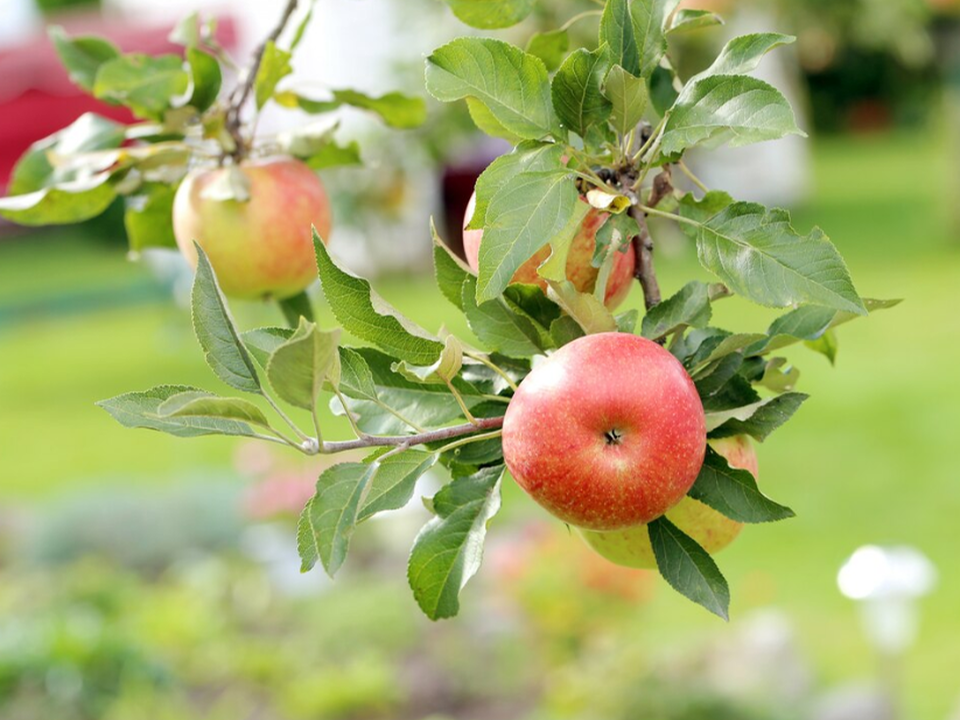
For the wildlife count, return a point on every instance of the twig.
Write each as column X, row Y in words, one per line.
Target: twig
column 467, row 440
column 693, row 178
column 241, row 93
column 411, row 440
column 576, row 18
column 483, row 360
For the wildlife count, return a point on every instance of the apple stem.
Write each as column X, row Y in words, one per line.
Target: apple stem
column 241, row 93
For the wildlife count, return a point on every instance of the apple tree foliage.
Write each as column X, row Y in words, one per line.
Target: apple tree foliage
column 609, row 124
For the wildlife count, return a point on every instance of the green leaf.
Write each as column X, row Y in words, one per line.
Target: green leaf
column 314, row 143
column 302, row 27
column 147, row 85
column 367, row 316
column 733, row 109
column 206, row 78
column 743, row 54
column 688, row 568
column 715, row 376
column 148, row 217
column 627, row 321
column 498, row 327
column 396, row 109
column 533, row 303
column 356, row 379
column 40, row 166
column 663, row 90
column 449, row 270
column 262, row 342
column 67, row 203
column 684, row 20
column 734, row 492
column 443, row 371
column 529, row 211
column 329, row 519
column 334, row 155
column 779, row 375
column 386, row 402
column 730, row 343
column 204, row 405
column 827, row 345
column 635, row 32
column 528, row 157
column 488, row 124
column 296, row 307
column 217, row 333
column 555, row 266
column 394, row 482
column 703, row 209
column 576, row 89
column 82, row 56
column 589, row 312
column 140, row 410
column 628, row 98
column 565, row 330
column 760, row 256
column 689, row 307
column 274, row 67
column 618, row 228
column 188, row 31
column 298, row 368
column 550, row 46
column 810, row 323
column 511, row 83
column 490, row 14
column 757, row 420
column 449, row 548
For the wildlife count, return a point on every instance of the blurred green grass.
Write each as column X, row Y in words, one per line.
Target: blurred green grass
column 868, row 459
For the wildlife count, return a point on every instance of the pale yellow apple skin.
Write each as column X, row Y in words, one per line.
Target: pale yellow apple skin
column 261, row 248
column 711, row 529
column 579, row 269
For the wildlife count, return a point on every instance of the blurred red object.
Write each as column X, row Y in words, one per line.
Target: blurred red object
column 37, row 97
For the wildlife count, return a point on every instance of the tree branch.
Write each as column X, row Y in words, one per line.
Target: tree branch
column 241, row 93
column 643, row 243
column 408, row 441
column 643, row 248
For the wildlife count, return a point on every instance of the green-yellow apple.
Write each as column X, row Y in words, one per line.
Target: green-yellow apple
column 262, row 246
column 580, row 271
column 712, row 529
column 606, row 433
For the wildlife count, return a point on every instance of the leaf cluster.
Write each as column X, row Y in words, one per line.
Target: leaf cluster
column 186, row 119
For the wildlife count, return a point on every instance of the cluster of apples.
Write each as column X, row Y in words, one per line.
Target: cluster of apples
column 608, row 433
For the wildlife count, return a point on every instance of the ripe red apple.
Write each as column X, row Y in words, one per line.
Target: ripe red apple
column 262, row 247
column 579, row 270
column 712, row 529
column 607, row 433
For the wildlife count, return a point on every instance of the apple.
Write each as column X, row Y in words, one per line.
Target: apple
column 579, row 269
column 712, row 529
column 606, row 433
column 261, row 247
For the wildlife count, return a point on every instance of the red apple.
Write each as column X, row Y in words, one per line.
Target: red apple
column 712, row 529
column 261, row 247
column 579, row 270
column 606, row 433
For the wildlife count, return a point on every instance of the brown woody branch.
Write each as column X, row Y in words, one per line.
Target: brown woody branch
column 408, row 441
column 643, row 242
column 241, row 93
